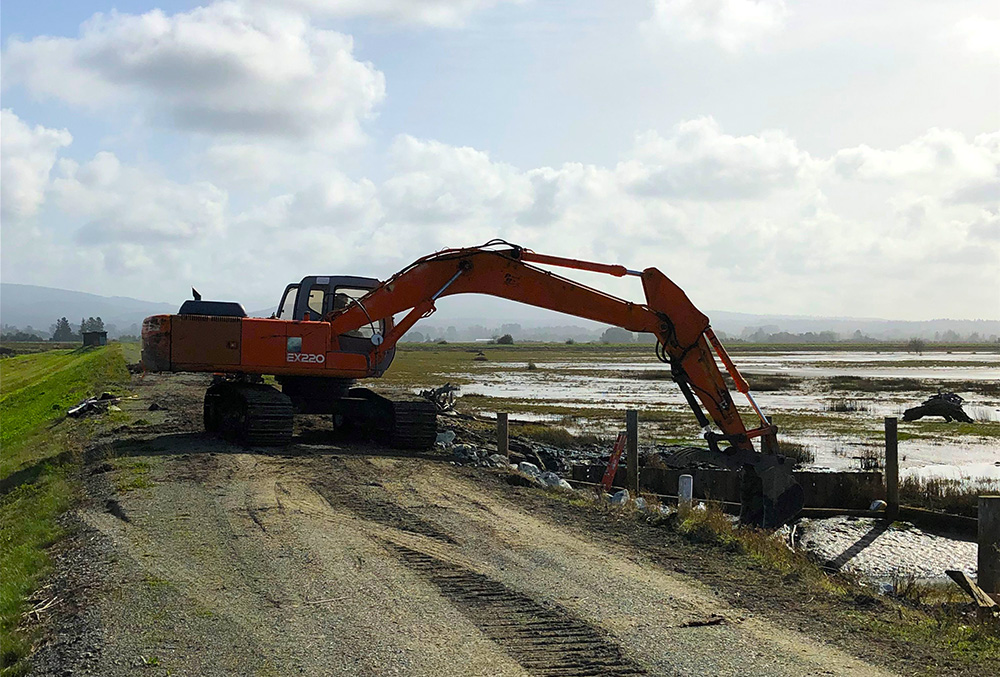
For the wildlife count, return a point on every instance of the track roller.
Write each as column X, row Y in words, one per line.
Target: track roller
column 404, row 424
column 251, row 414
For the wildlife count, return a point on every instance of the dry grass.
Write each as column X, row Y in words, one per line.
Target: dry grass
column 844, row 406
column 766, row 549
column 799, row 453
column 869, row 459
column 771, row 382
column 959, row 497
column 554, row 435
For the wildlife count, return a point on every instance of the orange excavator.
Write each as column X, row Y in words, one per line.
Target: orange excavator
column 330, row 331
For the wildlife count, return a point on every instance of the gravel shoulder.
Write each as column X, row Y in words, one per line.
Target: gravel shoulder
column 190, row 556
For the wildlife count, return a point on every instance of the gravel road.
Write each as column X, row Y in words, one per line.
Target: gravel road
column 354, row 560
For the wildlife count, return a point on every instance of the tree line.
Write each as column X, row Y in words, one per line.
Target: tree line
column 62, row 331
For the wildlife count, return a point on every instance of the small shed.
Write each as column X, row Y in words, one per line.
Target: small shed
column 95, row 338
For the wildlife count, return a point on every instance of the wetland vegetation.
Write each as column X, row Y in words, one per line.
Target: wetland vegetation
column 829, row 400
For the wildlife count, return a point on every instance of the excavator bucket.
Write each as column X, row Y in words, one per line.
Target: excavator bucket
column 770, row 496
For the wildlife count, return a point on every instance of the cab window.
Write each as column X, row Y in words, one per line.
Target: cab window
column 315, row 303
column 346, row 296
column 287, row 308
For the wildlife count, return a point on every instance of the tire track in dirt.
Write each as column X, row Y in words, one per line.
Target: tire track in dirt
column 545, row 639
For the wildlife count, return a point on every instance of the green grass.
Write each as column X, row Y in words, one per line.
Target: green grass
column 27, row 347
column 554, row 435
column 133, row 473
column 764, row 549
column 35, row 391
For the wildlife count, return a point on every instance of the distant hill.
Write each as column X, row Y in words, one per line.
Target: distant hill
column 22, row 305
column 744, row 325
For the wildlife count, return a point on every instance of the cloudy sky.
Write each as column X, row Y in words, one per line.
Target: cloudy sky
column 816, row 158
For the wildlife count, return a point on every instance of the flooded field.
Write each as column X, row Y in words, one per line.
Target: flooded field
column 832, row 402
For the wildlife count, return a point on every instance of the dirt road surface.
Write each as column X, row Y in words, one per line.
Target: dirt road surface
column 195, row 557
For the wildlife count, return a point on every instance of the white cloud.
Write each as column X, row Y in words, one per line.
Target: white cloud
column 746, row 222
column 447, row 193
column 221, row 69
column 333, row 206
column 940, row 162
column 128, row 205
column 980, row 35
column 28, row 154
column 699, row 161
column 744, row 219
column 730, row 24
column 437, row 13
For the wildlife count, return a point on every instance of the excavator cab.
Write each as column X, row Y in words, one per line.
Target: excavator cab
column 316, row 296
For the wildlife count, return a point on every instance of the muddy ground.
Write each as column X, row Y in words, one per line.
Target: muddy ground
column 194, row 557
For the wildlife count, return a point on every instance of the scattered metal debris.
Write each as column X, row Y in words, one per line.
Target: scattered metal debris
column 93, row 405
column 442, row 397
column 946, row 405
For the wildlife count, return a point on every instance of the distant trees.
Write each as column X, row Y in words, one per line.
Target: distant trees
column 617, row 335
column 63, row 332
column 19, row 336
column 506, row 340
column 916, row 345
column 91, row 324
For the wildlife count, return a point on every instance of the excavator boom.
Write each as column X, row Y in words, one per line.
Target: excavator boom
column 685, row 341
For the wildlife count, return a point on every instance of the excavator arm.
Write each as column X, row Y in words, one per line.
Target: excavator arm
column 685, row 341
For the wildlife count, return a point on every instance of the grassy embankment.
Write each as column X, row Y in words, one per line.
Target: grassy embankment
column 929, row 616
column 37, row 468
column 916, row 619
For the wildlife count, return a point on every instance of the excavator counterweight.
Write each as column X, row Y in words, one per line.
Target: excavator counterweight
column 330, row 331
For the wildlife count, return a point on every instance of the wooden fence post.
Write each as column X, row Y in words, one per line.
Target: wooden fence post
column 503, row 443
column 989, row 546
column 891, row 469
column 632, row 451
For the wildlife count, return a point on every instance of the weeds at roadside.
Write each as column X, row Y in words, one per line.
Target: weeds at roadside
column 132, row 474
column 928, row 615
column 35, row 392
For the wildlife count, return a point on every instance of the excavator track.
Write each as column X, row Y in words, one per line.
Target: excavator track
column 404, row 424
column 251, row 414
column 414, row 424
